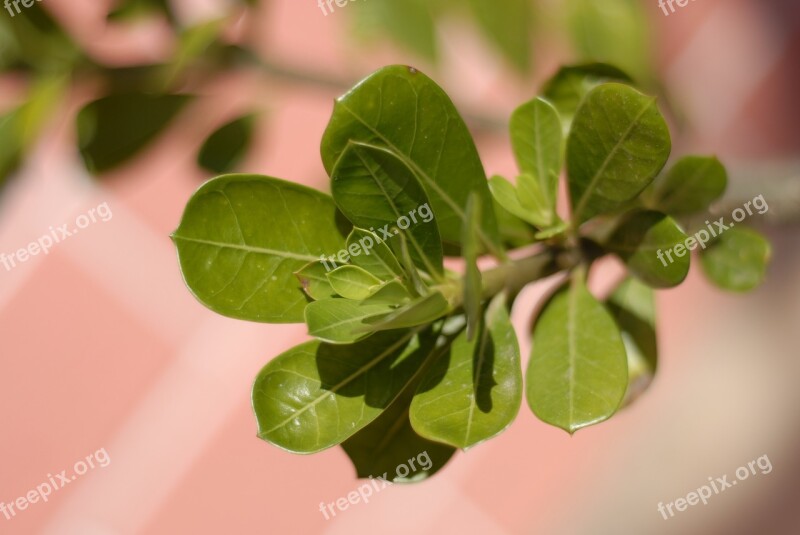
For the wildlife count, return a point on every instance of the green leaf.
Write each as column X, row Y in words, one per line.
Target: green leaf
column 647, row 242
column 225, row 147
column 570, row 85
column 409, row 23
column 538, row 146
column 353, row 282
column 368, row 251
column 509, row 28
column 391, row 293
column 403, row 110
column 313, row 279
column 633, row 306
column 472, row 275
column 514, row 231
column 476, row 393
column 737, row 260
column 426, row 309
column 577, row 374
column 317, row 395
column 505, row 194
column 116, row 127
column 691, row 185
column 618, row 143
column 613, row 31
column 242, row 238
column 374, row 188
column 390, row 449
column 342, row 321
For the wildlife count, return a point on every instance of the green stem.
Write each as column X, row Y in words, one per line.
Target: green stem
column 517, row 274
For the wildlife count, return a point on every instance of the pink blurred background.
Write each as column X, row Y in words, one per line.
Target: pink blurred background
column 103, row 346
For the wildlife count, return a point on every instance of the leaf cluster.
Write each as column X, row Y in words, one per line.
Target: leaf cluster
column 410, row 354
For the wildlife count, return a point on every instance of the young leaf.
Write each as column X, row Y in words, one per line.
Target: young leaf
column 737, row 260
column 385, row 448
column 652, row 245
column 316, row 395
column 313, row 279
column 342, row 321
column 374, row 188
column 226, row 146
column 568, row 87
column 505, row 194
column 390, row 293
column 368, row 251
column 423, row 310
column 578, row 373
column 242, row 238
column 114, row 128
column 691, row 185
column 538, row 146
column 353, row 282
column 403, row 110
column 476, row 393
column 472, row 275
column 618, row 143
column 509, row 28
column 633, row 306
column 514, row 231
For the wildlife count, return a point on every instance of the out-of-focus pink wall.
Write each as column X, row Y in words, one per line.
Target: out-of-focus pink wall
column 103, row 347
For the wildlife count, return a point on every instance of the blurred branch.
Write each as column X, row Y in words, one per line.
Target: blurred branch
column 478, row 122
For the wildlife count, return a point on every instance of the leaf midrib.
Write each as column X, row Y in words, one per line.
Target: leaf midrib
column 247, row 248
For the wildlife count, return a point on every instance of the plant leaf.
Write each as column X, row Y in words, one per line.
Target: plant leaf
column 383, row 449
column 242, row 238
column 570, row 85
column 472, row 276
column 391, row 293
column 226, row 146
column 618, row 143
column 401, row 109
column 317, row 395
column 476, row 393
column 737, row 260
column 577, row 374
column 509, row 28
column 633, row 306
column 514, row 231
column 116, row 127
column 368, row 251
column 505, row 194
column 353, row 282
column 646, row 241
column 613, row 31
column 313, row 279
column 538, row 146
column 409, row 23
column 342, row 321
column 374, row 188
column 691, row 185
column 426, row 309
